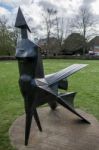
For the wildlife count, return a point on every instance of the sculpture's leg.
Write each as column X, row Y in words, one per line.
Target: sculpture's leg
column 64, row 104
column 29, row 113
column 61, row 101
column 36, row 117
column 53, row 105
column 27, row 127
column 28, row 123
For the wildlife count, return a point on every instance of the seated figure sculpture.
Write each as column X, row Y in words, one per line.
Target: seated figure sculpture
column 36, row 88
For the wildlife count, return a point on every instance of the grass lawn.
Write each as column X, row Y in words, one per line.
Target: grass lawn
column 85, row 82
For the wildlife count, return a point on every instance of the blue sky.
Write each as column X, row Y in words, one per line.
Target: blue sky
column 6, row 6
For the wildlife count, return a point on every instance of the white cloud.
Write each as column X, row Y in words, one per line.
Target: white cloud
column 33, row 9
column 33, row 13
column 95, row 7
column 64, row 7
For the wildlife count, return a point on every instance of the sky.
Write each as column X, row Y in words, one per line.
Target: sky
column 33, row 9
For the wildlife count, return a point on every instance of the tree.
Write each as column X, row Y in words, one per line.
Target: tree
column 49, row 21
column 62, row 30
column 73, row 44
column 59, row 31
column 83, row 23
column 7, row 38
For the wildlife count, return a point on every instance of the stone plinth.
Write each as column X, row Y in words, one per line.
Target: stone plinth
column 62, row 130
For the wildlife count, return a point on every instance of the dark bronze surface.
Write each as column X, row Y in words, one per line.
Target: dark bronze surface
column 36, row 88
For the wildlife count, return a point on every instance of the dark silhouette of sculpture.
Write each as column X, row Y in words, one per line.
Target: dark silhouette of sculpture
column 36, row 88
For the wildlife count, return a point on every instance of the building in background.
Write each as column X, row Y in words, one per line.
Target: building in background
column 94, row 46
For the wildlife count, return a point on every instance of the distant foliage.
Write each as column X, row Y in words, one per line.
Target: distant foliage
column 74, row 44
column 8, row 38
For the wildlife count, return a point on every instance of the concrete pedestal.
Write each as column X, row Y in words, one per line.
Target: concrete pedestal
column 62, row 130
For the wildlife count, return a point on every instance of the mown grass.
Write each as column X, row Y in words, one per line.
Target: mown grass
column 85, row 82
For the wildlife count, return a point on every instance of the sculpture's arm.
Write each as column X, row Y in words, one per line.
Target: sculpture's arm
column 58, row 76
column 62, row 84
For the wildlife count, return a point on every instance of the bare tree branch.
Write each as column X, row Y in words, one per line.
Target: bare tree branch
column 83, row 23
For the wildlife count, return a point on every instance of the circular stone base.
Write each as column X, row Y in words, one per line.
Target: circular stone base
column 62, row 130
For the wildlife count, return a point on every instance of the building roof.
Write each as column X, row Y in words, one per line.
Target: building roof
column 94, row 41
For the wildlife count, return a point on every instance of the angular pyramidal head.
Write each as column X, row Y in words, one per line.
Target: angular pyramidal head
column 20, row 21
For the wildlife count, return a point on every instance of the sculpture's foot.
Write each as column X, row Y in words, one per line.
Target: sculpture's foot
column 36, row 117
column 27, row 127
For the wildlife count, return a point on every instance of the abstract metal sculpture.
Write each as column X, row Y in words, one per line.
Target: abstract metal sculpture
column 36, row 88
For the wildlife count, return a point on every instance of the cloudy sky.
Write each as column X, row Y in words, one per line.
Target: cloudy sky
column 34, row 8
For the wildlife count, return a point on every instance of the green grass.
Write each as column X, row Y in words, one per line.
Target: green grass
column 85, row 82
